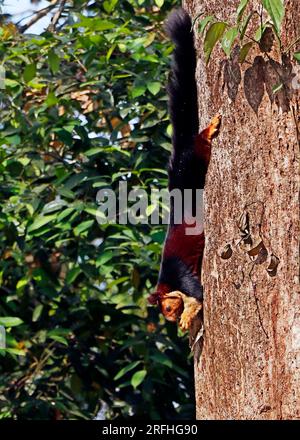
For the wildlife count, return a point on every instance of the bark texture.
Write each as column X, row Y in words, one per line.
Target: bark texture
column 249, row 367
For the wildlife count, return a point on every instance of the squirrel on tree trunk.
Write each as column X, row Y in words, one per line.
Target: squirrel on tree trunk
column 179, row 292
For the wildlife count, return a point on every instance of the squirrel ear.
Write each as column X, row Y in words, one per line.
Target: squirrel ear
column 153, row 298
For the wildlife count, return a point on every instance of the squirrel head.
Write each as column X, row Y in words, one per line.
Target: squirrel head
column 170, row 304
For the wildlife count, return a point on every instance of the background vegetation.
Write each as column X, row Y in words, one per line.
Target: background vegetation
column 84, row 107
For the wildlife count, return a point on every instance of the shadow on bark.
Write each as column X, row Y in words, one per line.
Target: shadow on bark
column 263, row 76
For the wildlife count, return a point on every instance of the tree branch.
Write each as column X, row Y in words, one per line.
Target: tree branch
column 57, row 16
column 40, row 14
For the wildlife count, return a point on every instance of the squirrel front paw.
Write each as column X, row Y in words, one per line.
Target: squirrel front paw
column 213, row 129
column 191, row 309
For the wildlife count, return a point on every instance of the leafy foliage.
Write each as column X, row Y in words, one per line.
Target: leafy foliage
column 213, row 35
column 84, row 108
column 274, row 10
column 297, row 56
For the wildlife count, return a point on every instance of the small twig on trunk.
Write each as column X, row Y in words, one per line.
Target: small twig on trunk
column 292, row 44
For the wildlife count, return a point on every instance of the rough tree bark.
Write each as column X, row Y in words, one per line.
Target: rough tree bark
column 249, row 367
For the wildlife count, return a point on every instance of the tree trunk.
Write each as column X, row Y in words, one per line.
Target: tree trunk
column 249, row 367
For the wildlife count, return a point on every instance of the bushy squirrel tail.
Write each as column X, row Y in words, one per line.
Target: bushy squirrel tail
column 182, row 88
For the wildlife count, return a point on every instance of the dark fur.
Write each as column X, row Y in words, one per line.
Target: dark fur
column 179, row 270
column 179, row 276
column 185, row 167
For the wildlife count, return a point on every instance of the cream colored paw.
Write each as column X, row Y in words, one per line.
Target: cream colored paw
column 191, row 309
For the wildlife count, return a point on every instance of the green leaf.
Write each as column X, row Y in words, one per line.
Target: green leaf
column 138, row 90
column 109, row 5
column 228, row 39
column 82, row 227
column 244, row 51
column 245, row 25
column 297, row 56
column 213, row 35
column 110, row 52
column 204, row 22
column 29, row 72
column 53, row 60
column 275, row 8
column 51, row 100
column 154, row 87
column 65, row 192
column 95, row 24
column 14, row 168
column 59, row 332
column 13, row 140
column 138, row 378
column 40, row 221
column 104, row 258
column 10, row 321
column 11, row 83
column 64, row 214
column 93, row 151
column 72, row 275
column 241, row 8
column 196, row 18
column 150, row 209
column 125, row 370
column 58, row 338
column 37, row 312
column 159, row 3
column 259, row 33
column 161, row 358
column 17, row 351
column 277, row 88
column 169, row 130
column 21, row 284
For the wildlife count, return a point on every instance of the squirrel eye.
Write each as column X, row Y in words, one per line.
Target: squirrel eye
column 168, row 308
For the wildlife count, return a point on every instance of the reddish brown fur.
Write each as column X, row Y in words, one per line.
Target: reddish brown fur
column 188, row 247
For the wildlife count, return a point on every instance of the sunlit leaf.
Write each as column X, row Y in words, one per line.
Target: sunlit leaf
column 277, row 88
column 40, row 221
column 244, row 51
column 213, row 35
column 245, row 25
column 110, row 5
column 297, row 56
column 159, row 3
column 204, row 22
column 126, row 369
column 154, row 87
column 138, row 378
column 228, row 40
column 275, row 8
column 241, row 8
column 10, row 321
column 72, row 275
column 59, row 339
column 37, row 312
column 84, row 226
column 54, row 61
column 29, row 72
column 138, row 90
